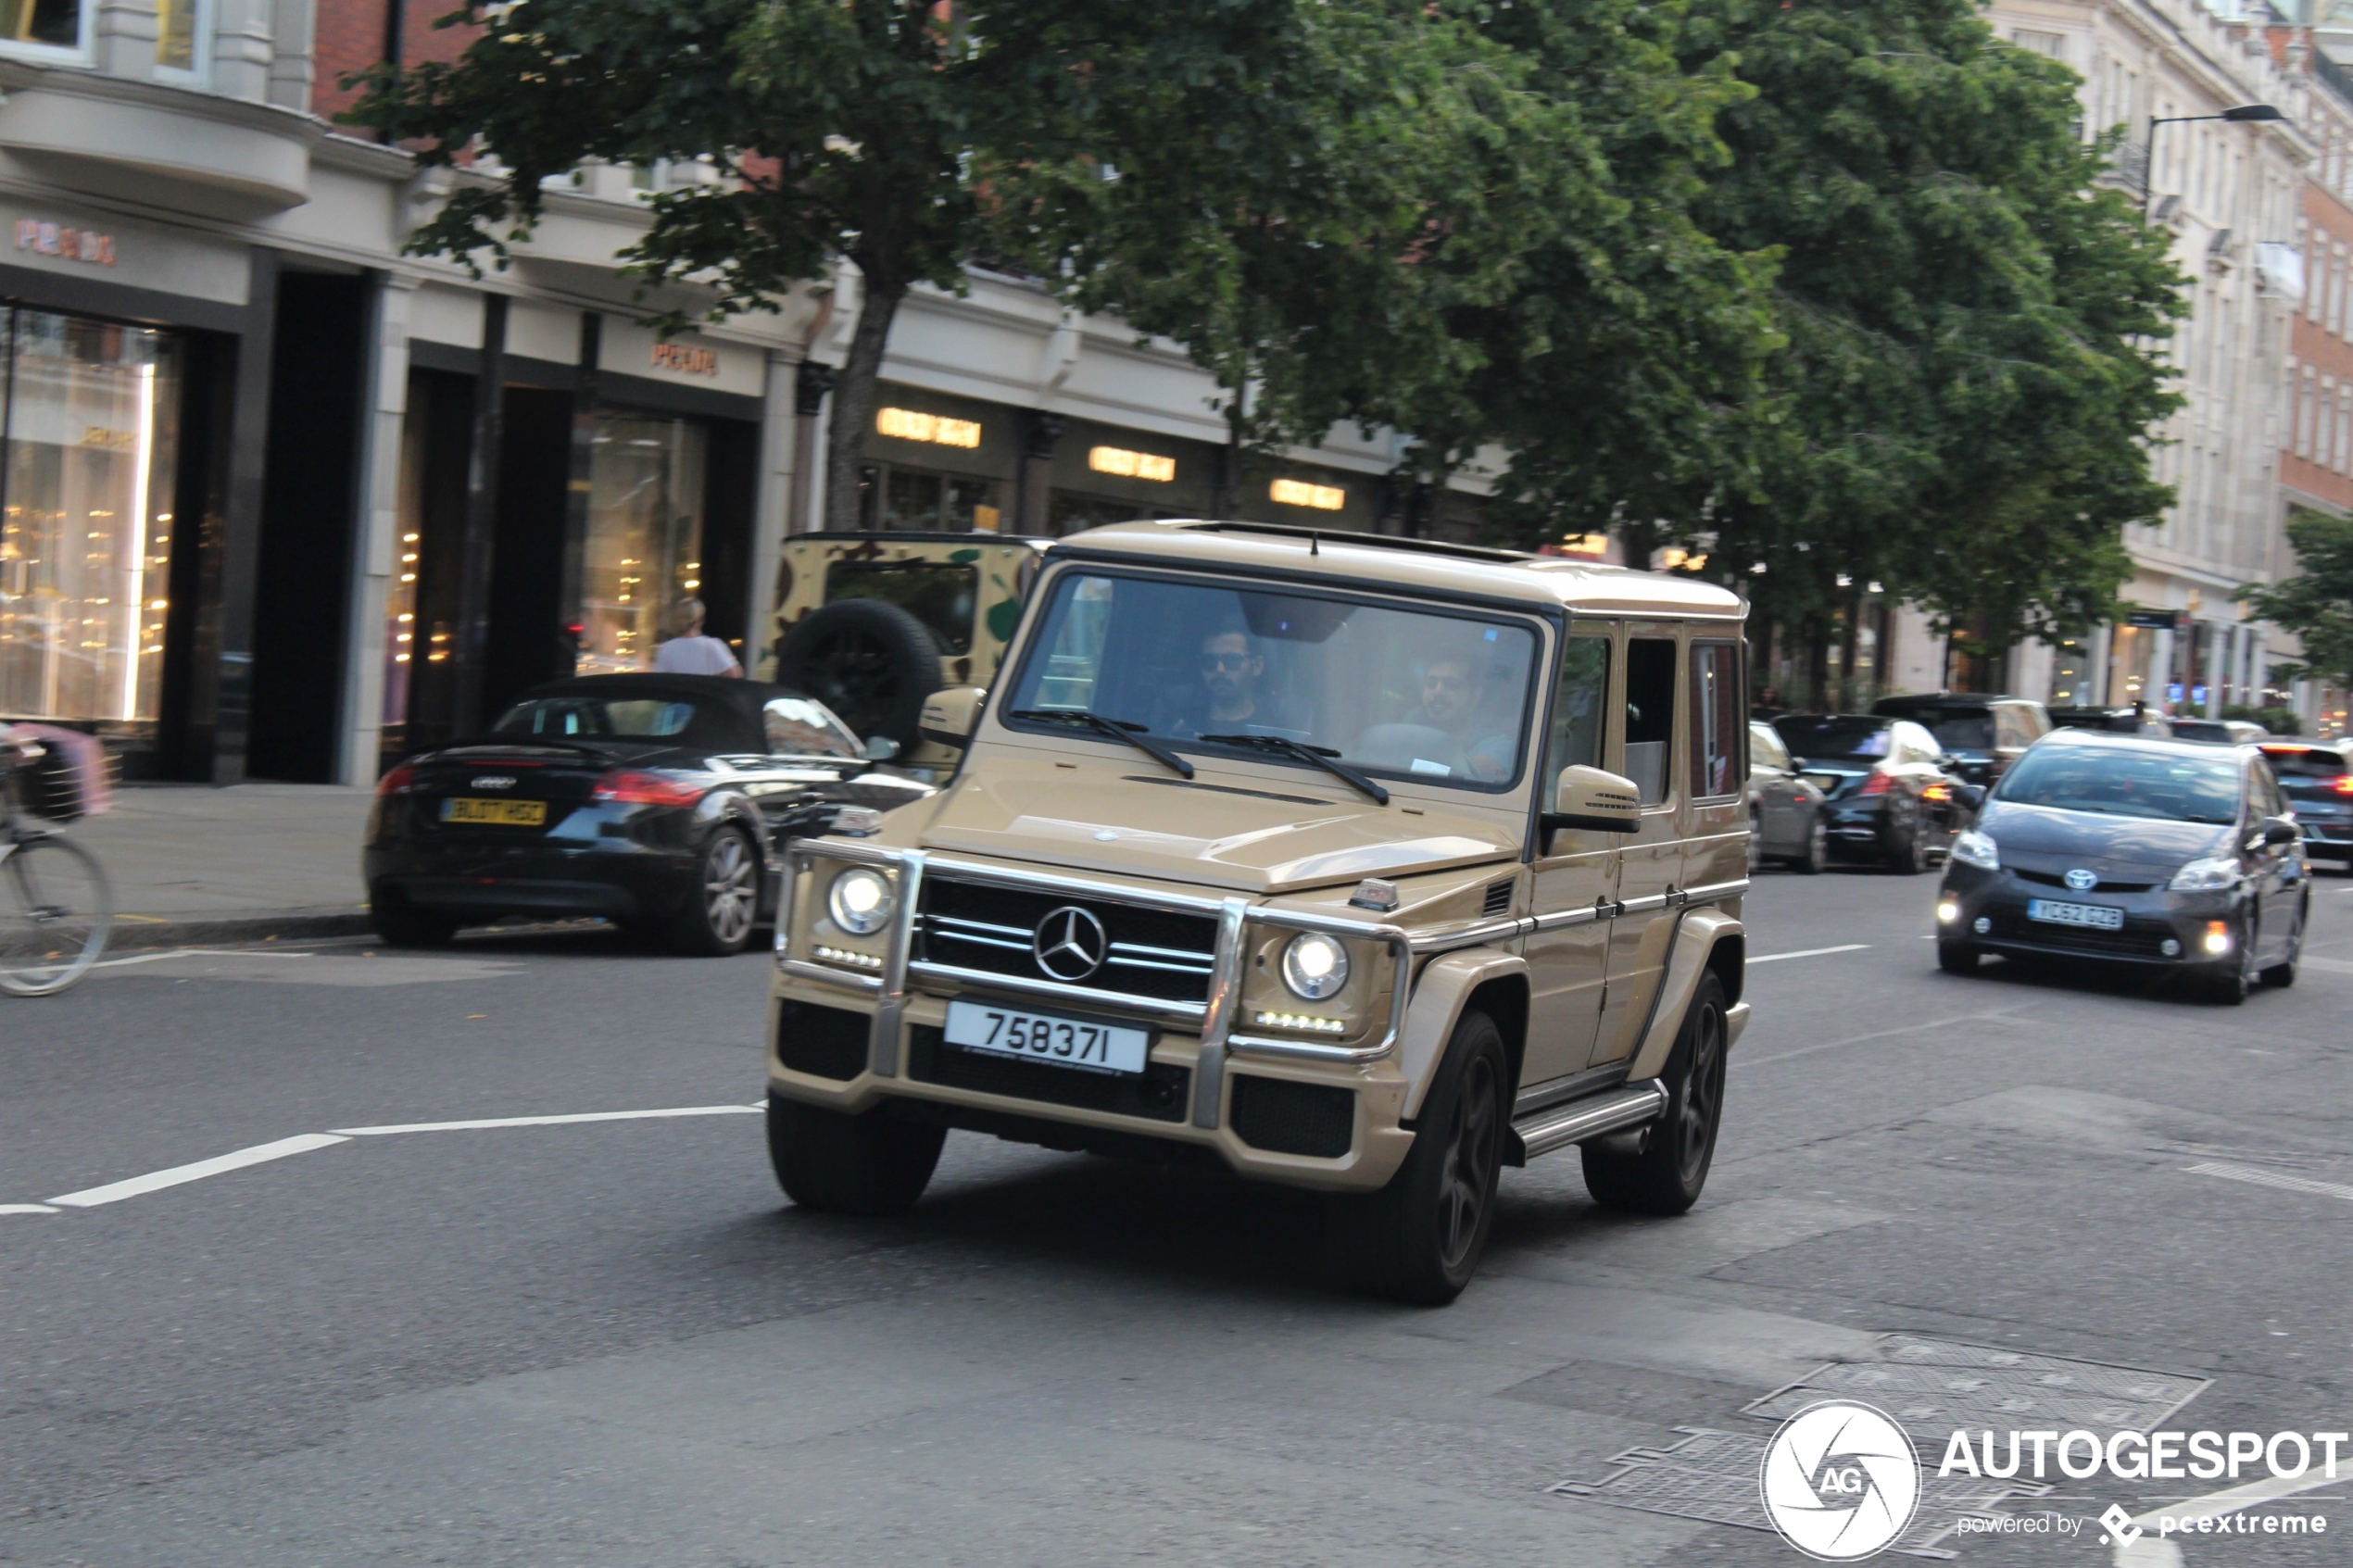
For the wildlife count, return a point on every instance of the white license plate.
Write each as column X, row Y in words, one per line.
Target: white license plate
column 2097, row 917
column 1042, row 1036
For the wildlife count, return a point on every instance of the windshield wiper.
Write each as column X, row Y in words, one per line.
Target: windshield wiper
column 1321, row 756
column 1118, row 729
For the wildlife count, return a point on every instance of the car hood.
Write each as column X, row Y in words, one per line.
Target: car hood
column 1254, row 832
column 2041, row 839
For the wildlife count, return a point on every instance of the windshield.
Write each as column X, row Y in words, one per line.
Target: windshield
column 1407, row 693
column 599, row 718
column 1834, row 737
column 2125, row 783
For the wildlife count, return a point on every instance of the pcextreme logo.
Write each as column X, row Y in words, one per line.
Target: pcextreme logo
column 1840, row 1480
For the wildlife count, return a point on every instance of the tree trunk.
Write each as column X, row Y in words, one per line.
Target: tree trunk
column 1226, row 503
column 854, row 402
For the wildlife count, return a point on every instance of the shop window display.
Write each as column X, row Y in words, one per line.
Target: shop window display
column 91, row 420
column 643, row 552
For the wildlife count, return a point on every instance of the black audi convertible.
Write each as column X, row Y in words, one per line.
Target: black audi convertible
column 659, row 802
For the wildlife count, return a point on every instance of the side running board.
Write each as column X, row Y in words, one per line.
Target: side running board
column 1544, row 1131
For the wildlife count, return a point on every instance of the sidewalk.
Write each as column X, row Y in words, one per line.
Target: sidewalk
column 194, row 864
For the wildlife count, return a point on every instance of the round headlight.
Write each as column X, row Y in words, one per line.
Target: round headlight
column 1314, row 966
column 859, row 901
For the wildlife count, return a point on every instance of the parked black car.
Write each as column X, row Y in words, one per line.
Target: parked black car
column 1890, row 794
column 2317, row 778
column 657, row 801
column 2175, row 855
column 1985, row 733
column 1785, row 820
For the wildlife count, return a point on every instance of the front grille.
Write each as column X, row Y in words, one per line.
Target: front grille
column 1498, row 900
column 1152, row 953
column 2055, row 879
column 2139, row 939
column 1286, row 1118
column 1160, row 1095
column 822, row 1042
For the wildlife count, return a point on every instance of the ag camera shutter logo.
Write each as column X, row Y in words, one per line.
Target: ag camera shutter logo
column 1840, row 1480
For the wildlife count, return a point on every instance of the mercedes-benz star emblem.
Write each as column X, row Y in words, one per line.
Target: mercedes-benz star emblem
column 2081, row 880
column 1070, row 944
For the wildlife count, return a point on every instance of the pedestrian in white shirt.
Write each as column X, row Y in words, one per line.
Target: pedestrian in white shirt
column 691, row 653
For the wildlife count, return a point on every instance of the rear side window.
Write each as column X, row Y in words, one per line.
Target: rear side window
column 2303, row 762
column 1965, row 729
column 1834, row 737
column 1716, row 727
column 1650, row 714
column 941, row 595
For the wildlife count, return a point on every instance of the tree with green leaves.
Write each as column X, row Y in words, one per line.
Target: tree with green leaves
column 2317, row 603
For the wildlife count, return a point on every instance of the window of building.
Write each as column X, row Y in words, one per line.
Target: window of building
column 2305, row 406
column 895, row 497
column 2052, row 45
column 183, row 29
column 46, row 27
column 2344, row 430
column 85, row 517
column 643, row 551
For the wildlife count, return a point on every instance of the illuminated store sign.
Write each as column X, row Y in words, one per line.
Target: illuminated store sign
column 1297, row 493
column 1131, row 464
column 906, row 424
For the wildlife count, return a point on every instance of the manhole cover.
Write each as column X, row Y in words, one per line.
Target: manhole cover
column 1943, row 1385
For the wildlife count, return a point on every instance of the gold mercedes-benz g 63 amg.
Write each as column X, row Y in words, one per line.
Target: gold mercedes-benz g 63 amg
column 1364, row 864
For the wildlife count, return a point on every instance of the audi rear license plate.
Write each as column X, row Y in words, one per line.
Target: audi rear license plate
column 2093, row 917
column 498, row 813
column 1042, row 1036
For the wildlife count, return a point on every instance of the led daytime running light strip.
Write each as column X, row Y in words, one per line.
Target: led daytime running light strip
column 1301, row 1022
column 848, row 959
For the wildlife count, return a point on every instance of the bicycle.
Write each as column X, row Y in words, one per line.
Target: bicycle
column 56, row 909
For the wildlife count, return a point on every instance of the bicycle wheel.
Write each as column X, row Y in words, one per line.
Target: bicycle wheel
column 55, row 914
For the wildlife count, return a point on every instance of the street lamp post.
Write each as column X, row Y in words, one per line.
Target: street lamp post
column 2244, row 114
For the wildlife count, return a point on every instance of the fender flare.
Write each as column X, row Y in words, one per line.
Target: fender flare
column 1440, row 990
column 1696, row 937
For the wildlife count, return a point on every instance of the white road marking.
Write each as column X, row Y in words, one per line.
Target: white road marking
column 26, row 1208
column 1877, row 1035
column 155, row 1180
column 545, row 1121
column 1812, row 952
column 2152, row 1550
column 2334, row 966
column 2270, row 1179
column 162, row 954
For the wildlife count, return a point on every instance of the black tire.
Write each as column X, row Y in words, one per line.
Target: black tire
column 1957, row 958
column 402, row 924
column 1418, row 1240
column 2282, row 975
column 1666, row 1169
column 1906, row 852
column 716, row 918
column 1755, row 845
column 871, row 663
column 843, row 1164
column 2231, row 988
column 1816, row 858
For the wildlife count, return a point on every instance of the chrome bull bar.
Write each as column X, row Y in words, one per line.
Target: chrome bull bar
column 1214, row 1019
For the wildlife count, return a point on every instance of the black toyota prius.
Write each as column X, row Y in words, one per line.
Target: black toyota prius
column 654, row 800
column 2169, row 855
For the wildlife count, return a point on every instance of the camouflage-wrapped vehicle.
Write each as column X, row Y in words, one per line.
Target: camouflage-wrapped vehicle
column 871, row 624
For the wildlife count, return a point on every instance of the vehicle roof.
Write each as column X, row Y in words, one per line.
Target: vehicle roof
column 919, row 536
column 1910, row 702
column 1411, row 565
column 2166, row 745
column 725, row 691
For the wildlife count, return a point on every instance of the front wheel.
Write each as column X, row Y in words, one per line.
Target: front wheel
column 715, row 921
column 865, row 1164
column 2282, row 975
column 1957, row 958
column 55, row 911
column 1666, row 1171
column 1815, row 858
column 1419, row 1239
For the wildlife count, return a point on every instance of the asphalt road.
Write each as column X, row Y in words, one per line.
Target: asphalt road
column 610, row 1342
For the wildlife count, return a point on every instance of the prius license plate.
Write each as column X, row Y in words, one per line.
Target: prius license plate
column 1042, row 1036
column 2094, row 917
column 497, row 814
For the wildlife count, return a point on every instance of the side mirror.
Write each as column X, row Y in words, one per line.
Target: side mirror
column 2278, row 830
column 1595, row 801
column 1970, row 796
column 950, row 716
column 881, row 748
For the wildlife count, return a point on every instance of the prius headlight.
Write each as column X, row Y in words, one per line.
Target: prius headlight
column 2211, row 876
column 1314, row 966
column 1974, row 849
column 859, row 900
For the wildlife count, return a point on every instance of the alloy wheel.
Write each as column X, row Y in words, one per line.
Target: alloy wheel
column 1703, row 1094
column 730, row 887
column 1466, row 1182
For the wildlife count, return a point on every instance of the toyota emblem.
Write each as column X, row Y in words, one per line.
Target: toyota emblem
column 2081, row 880
column 1070, row 944
column 494, row 781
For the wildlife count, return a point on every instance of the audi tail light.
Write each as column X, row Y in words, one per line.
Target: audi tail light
column 638, row 786
column 399, row 781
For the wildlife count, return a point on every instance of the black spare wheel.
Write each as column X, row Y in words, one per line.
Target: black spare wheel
column 871, row 662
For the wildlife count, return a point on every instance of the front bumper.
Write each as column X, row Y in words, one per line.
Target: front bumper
column 1998, row 900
